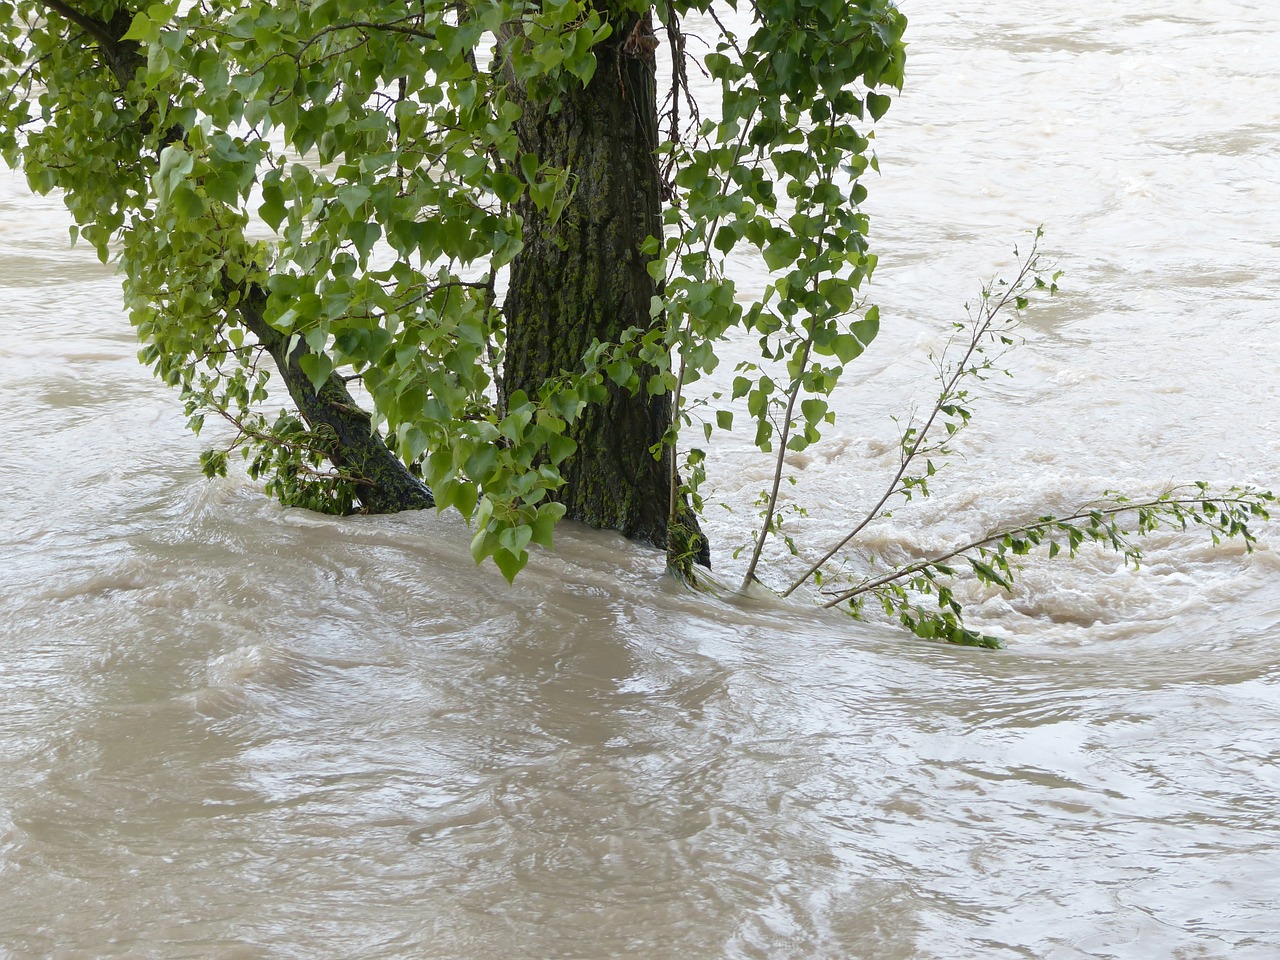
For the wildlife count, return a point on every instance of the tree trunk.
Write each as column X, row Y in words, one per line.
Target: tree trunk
column 584, row 278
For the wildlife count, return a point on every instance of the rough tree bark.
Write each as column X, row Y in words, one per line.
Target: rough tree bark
column 584, row 278
column 383, row 484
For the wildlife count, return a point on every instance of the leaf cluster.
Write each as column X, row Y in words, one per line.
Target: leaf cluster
column 357, row 167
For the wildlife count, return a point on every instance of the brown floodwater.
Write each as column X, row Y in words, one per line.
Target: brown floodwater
column 233, row 731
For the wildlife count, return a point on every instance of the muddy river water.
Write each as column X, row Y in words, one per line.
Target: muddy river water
column 229, row 730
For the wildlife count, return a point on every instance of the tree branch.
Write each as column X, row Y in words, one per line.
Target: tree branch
column 100, row 30
column 945, row 396
column 1048, row 523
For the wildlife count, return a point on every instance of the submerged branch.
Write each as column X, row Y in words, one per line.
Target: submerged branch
column 359, row 450
column 919, row 444
column 784, row 435
column 1100, row 526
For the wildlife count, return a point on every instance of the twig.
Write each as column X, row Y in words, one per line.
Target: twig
column 1045, row 523
column 784, row 432
column 944, row 397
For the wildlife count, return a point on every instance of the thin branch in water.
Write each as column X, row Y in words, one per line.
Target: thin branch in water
column 784, row 434
column 1178, row 510
column 1012, row 295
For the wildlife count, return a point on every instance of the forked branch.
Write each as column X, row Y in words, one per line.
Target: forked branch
column 918, row 442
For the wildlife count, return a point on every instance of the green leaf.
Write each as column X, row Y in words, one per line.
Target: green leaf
column 353, row 196
column 186, row 203
column 484, row 542
column 813, row 410
column 549, row 514
column 465, row 497
column 142, row 29
column 444, row 492
column 175, row 164
column 317, row 367
column 560, row 446
column 364, row 236
column 506, row 187
column 529, row 167
column 413, row 442
column 987, row 574
column 846, row 347
column 510, row 563
column 782, row 253
column 515, row 539
column 272, row 209
column 481, row 464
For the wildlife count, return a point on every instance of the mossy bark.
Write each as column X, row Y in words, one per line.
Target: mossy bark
column 385, row 485
column 584, row 278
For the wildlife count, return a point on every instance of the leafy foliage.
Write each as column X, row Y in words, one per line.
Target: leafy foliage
column 357, row 165
column 339, row 184
column 1113, row 522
